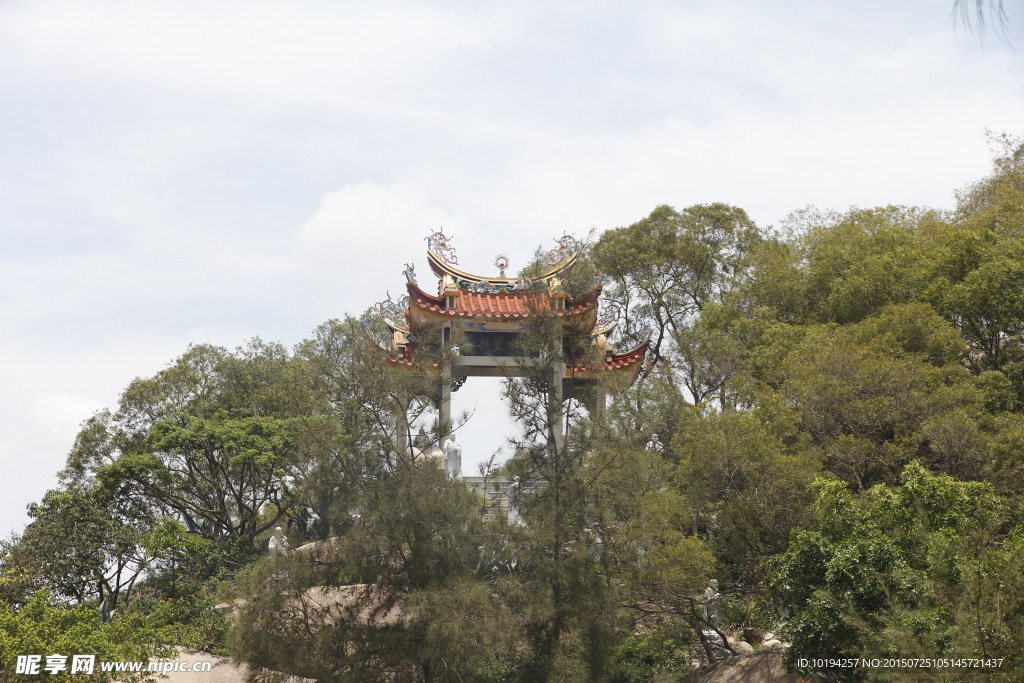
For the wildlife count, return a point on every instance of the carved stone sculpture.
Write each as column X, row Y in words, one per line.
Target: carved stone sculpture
column 453, row 457
column 655, row 445
column 713, row 604
column 278, row 543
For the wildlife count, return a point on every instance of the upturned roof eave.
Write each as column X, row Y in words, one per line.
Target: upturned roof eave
column 442, row 268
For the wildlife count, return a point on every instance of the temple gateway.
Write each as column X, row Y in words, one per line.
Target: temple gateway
column 478, row 324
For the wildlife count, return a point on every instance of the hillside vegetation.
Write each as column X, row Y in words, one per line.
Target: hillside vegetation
column 840, row 401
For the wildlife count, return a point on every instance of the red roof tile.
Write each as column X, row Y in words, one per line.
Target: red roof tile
column 474, row 304
column 499, row 305
column 618, row 361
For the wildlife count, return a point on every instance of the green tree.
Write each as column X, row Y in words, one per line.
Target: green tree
column 396, row 595
column 211, row 441
column 365, row 412
column 972, row 267
column 668, row 266
column 40, row 628
column 746, row 491
column 920, row 569
column 83, row 544
column 862, row 261
column 219, row 474
column 396, row 590
column 872, row 395
column 603, row 550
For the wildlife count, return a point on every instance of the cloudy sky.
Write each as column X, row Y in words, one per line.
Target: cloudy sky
column 185, row 172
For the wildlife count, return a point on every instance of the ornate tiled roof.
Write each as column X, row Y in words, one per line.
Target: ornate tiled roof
column 502, row 303
column 618, row 361
column 508, row 306
column 498, row 305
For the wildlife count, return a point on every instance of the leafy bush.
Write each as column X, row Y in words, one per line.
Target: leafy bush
column 41, row 628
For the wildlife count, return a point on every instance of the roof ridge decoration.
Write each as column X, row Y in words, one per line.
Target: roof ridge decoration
column 607, row 318
column 484, row 287
column 394, row 314
column 386, row 323
column 501, row 263
column 438, row 243
column 567, row 246
column 443, row 261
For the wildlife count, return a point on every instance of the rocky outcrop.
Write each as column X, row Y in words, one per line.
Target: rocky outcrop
column 764, row 666
column 223, row 670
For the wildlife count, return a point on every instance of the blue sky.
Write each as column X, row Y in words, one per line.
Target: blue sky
column 188, row 172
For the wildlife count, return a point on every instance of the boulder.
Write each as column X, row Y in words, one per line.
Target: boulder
column 753, row 635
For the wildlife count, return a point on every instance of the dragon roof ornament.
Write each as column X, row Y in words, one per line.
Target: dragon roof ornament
column 443, row 261
column 607, row 318
column 393, row 312
column 567, row 245
column 386, row 319
column 438, row 243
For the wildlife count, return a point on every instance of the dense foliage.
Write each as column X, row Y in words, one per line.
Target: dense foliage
column 840, row 405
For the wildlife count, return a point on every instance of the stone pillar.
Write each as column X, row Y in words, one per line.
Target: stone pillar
column 556, row 407
column 444, row 407
column 600, row 401
column 402, row 426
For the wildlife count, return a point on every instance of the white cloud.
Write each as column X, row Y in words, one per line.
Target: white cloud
column 340, row 55
column 132, row 176
column 58, row 412
column 362, row 233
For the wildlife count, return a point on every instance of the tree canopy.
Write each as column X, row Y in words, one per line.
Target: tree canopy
column 840, row 408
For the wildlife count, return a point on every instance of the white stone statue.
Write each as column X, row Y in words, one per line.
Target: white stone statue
column 713, row 604
column 453, row 457
column 278, row 543
column 522, row 283
column 655, row 445
column 514, row 499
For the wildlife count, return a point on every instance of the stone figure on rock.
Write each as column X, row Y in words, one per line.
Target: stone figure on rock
column 713, row 604
column 654, row 445
column 278, row 544
column 453, row 457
